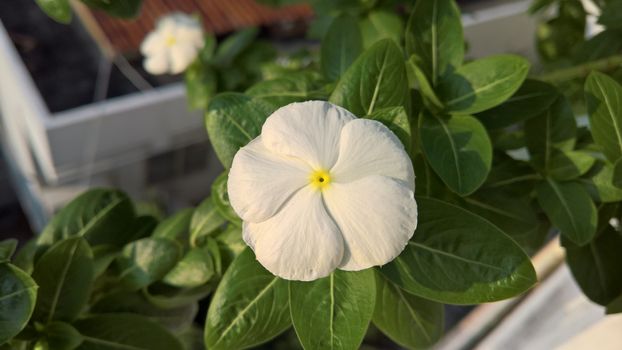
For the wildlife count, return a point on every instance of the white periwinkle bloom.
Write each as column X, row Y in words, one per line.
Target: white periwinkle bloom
column 320, row 189
column 173, row 45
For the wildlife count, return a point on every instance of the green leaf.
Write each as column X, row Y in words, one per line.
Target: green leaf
column 457, row 257
column 555, row 129
column 570, row 209
column 7, row 248
column 174, row 319
column 617, row 174
column 123, row 9
column 595, row 266
column 65, row 274
column 381, row 24
column 233, row 120
column 102, row 216
column 176, row 227
column 532, row 98
column 615, row 306
column 333, row 312
column 103, row 256
column 482, row 84
column 458, row 149
column 569, row 165
column 249, row 307
column 377, row 79
column 18, row 293
column 599, row 183
column 396, row 119
column 294, row 87
column 341, row 45
column 410, row 321
column 511, row 176
column 205, row 221
column 59, row 10
column 61, row 336
column 147, row 260
column 611, row 16
column 124, row 331
column 230, row 244
column 604, row 103
column 25, row 257
column 220, row 197
column 193, row 270
column 434, row 33
column 416, row 76
column 233, row 46
column 168, row 297
column 513, row 215
column 201, row 84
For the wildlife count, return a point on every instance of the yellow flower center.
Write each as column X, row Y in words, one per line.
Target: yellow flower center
column 319, row 179
column 170, row 41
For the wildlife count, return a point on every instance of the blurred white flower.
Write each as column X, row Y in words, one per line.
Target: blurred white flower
column 615, row 223
column 173, row 45
column 320, row 189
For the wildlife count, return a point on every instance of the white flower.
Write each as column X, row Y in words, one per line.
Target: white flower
column 173, row 45
column 320, row 189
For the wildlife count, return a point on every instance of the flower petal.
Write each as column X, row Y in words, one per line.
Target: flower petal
column 261, row 181
column 182, row 55
column 152, row 44
column 377, row 215
column 157, row 63
column 369, row 148
column 301, row 242
column 307, row 130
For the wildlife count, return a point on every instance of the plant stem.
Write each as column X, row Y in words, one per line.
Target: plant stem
column 583, row 70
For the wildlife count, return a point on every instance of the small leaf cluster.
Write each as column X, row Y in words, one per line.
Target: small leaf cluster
column 102, row 275
column 60, row 10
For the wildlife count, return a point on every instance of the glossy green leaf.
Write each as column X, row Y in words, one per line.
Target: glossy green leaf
column 420, row 81
column 205, row 221
column 555, row 129
column 617, row 174
column 396, row 119
column 65, row 274
column 124, row 331
column 434, row 33
column 341, row 45
column 599, row 183
column 18, row 293
column 175, row 227
column 603, row 96
column 168, row 297
column 147, row 260
column 248, row 308
column 59, row 10
column 570, row 209
column 174, row 319
column 569, row 165
column 25, row 257
column 531, row 99
column 457, row 257
column 410, row 321
column 193, row 270
column 595, row 266
column 511, row 176
column 103, row 256
column 295, row 87
column 513, row 215
column 201, row 84
column 333, row 312
column 377, row 79
column 458, row 149
column 233, row 120
column 233, row 46
column 60, row 336
column 427, row 183
column 482, row 84
column 7, row 248
column 123, row 9
column 220, row 197
column 381, row 24
column 102, row 216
